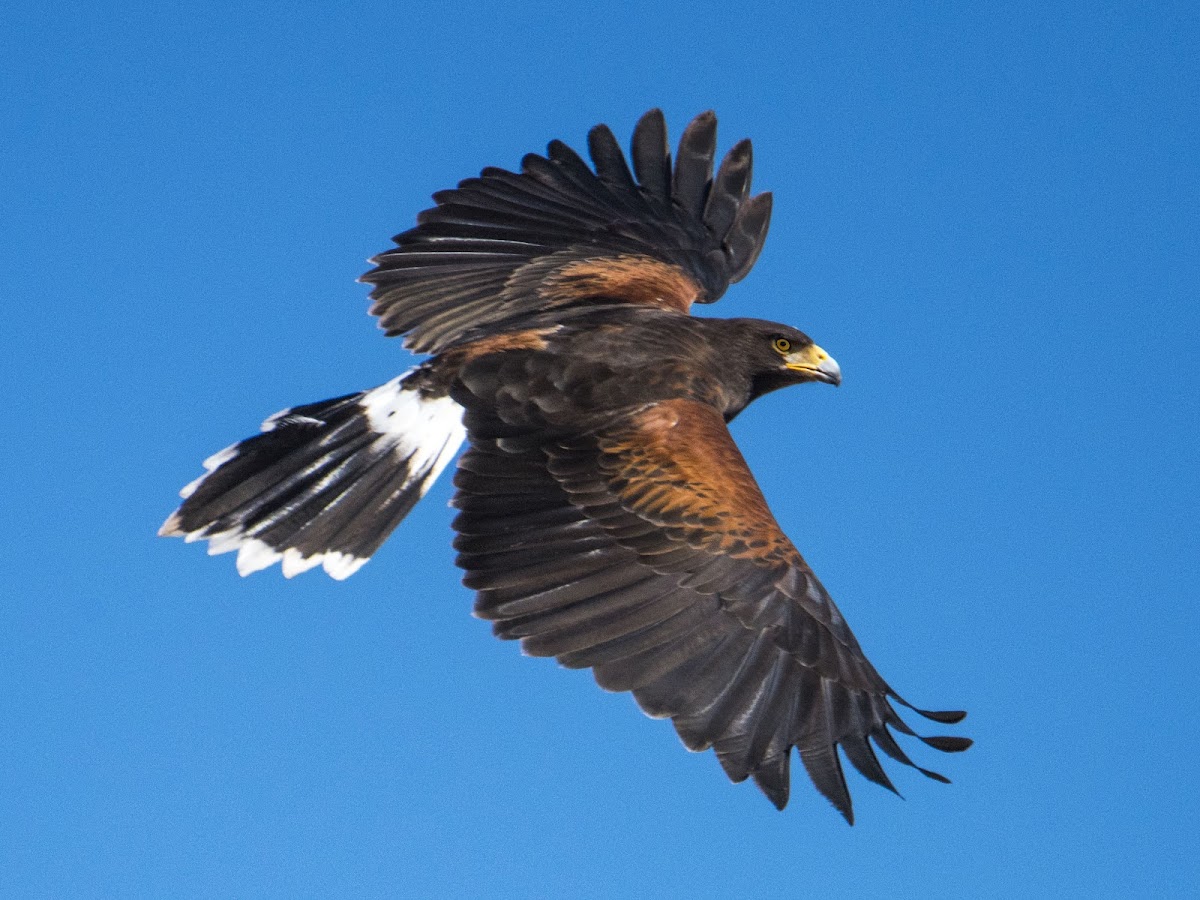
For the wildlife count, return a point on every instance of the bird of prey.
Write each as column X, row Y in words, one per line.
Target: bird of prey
column 605, row 515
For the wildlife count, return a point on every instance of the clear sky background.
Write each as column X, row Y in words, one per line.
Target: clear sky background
column 988, row 213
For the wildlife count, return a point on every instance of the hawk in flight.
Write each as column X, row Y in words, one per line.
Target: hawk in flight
column 605, row 515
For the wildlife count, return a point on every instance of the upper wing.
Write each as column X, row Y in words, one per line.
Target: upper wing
column 646, row 551
column 505, row 245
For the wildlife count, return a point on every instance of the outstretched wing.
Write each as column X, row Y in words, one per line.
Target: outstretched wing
column 645, row 550
column 504, row 245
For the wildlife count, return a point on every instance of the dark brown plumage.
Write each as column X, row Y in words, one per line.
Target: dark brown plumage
column 606, row 516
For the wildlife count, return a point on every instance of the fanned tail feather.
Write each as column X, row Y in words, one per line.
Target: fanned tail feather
column 325, row 483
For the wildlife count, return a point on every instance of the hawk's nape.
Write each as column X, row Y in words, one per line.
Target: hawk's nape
column 606, row 517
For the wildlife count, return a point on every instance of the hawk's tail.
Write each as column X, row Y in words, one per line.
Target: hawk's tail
column 325, row 483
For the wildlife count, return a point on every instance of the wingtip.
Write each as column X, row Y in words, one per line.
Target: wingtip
column 936, row 776
column 949, row 717
column 945, row 717
column 701, row 131
column 652, row 115
column 773, row 778
column 948, row 744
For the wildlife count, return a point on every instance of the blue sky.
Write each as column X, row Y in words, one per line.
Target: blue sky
column 987, row 215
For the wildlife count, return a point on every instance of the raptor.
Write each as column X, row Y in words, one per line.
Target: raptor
column 605, row 515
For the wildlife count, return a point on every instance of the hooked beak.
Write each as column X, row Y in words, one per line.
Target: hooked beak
column 815, row 363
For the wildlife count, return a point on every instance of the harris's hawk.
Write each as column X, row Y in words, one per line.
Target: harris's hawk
column 606, row 516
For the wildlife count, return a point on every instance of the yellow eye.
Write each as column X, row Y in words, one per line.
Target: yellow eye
column 783, row 345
